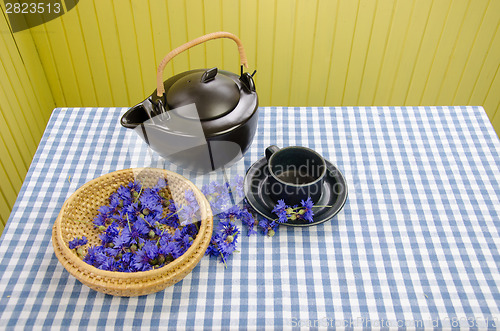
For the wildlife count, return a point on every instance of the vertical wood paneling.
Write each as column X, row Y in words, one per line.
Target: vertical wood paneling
column 327, row 14
column 492, row 101
column 484, row 85
column 303, row 45
column 248, row 30
column 11, row 179
column 212, row 12
column 25, row 104
column 425, row 57
column 195, row 25
column 145, row 45
column 479, row 50
column 444, row 49
column 113, row 53
column 283, row 51
column 360, row 45
column 376, row 51
column 266, row 25
column 178, row 33
column 393, row 50
column 496, row 120
column 78, row 60
column 12, row 143
column 161, row 33
column 4, row 212
column 230, row 23
column 412, row 45
column 94, row 52
column 122, row 13
column 306, row 52
column 20, row 81
column 457, row 60
column 342, row 46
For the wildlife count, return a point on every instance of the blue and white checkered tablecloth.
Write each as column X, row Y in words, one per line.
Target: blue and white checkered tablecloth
column 417, row 243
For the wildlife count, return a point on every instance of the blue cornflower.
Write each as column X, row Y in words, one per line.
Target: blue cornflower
column 269, row 227
column 172, row 220
column 306, row 212
column 189, row 212
column 90, row 258
column 280, row 209
column 279, row 206
column 248, row 219
column 124, row 194
column 223, row 241
column 162, row 182
column 134, row 186
column 151, row 201
column 107, row 263
column 232, row 213
column 190, row 198
column 133, row 237
column 115, row 201
column 238, row 186
column 140, row 261
column 141, row 227
column 77, row 242
column 111, row 232
column 171, row 249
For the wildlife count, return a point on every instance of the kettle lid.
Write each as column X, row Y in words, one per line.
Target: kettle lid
column 213, row 93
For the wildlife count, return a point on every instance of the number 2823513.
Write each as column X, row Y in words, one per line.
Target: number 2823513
column 33, row 8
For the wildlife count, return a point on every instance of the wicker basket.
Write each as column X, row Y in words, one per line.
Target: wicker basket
column 75, row 220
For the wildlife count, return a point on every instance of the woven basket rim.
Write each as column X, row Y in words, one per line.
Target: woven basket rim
column 206, row 215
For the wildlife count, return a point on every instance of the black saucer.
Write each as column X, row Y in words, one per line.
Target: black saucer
column 334, row 194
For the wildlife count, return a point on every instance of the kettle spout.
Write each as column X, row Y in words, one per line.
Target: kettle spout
column 138, row 114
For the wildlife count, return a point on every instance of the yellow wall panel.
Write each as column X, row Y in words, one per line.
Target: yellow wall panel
column 479, row 50
column 360, row 43
column 284, row 30
column 11, row 181
column 161, row 33
column 496, row 121
column 145, row 45
column 326, row 19
column 410, row 50
column 12, row 146
column 212, row 12
column 484, row 83
column 115, row 67
column 446, row 44
column 177, row 24
column 303, row 45
column 195, row 28
column 94, row 52
column 376, row 50
column 122, row 14
column 248, row 30
column 266, row 25
column 342, row 47
column 4, row 212
column 435, row 24
column 20, row 81
column 306, row 52
column 457, row 60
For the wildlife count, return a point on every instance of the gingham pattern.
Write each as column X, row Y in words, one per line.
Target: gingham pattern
column 417, row 241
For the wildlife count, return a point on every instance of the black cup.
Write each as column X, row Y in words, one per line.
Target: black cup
column 295, row 173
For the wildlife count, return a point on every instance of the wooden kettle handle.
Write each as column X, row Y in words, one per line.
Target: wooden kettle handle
column 215, row 35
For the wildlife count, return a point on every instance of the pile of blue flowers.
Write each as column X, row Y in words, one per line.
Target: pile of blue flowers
column 141, row 229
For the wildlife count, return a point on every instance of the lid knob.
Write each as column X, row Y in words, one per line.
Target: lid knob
column 209, row 75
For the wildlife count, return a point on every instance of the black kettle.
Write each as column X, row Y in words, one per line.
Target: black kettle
column 201, row 119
